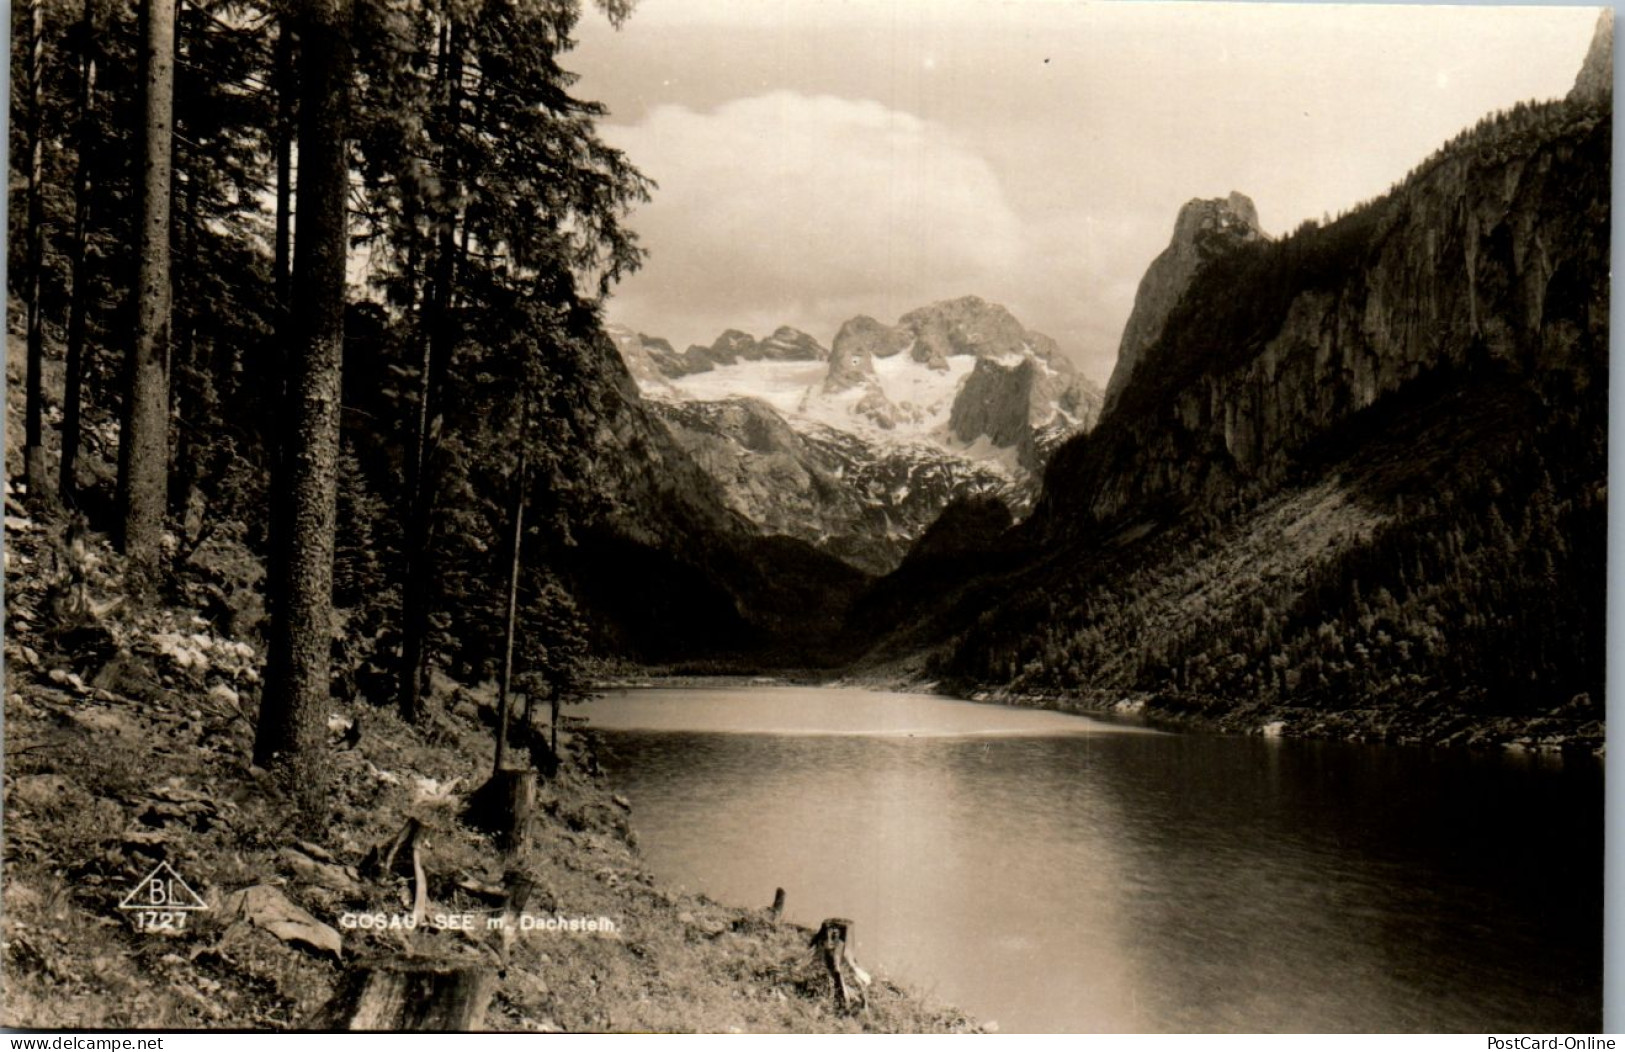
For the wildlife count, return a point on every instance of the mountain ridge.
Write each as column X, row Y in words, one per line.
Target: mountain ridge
column 1346, row 458
column 890, row 425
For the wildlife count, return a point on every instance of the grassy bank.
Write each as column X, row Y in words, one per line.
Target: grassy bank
column 127, row 743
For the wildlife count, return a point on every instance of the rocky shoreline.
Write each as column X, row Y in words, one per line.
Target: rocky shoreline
column 1578, row 728
column 1574, row 730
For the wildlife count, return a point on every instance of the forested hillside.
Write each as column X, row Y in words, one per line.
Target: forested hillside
column 1357, row 485
column 484, row 221
column 323, row 479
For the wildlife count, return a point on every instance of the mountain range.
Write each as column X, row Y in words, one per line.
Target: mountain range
column 858, row 447
column 1348, row 480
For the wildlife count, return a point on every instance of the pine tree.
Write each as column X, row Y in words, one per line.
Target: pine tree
column 290, row 732
column 490, row 189
column 144, row 440
column 78, row 306
column 34, row 411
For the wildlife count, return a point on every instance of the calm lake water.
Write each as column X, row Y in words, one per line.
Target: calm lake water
column 1052, row 872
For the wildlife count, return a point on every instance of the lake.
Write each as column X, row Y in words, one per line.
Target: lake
column 1058, row 873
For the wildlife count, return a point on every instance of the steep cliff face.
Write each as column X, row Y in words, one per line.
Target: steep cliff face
column 1595, row 83
column 1029, row 406
column 1492, row 251
column 996, row 401
column 852, row 356
column 664, row 566
column 1356, row 485
column 1204, row 230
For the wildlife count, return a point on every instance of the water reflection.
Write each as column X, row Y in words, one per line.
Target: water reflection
column 1052, row 873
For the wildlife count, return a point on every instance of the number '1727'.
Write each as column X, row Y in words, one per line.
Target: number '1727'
column 160, row 920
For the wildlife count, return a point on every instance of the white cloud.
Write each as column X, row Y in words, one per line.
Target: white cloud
column 820, row 159
column 815, row 206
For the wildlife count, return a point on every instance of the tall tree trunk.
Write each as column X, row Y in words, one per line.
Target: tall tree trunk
column 78, row 303
column 34, row 412
column 188, row 381
column 291, row 733
column 415, row 585
column 144, row 440
column 285, row 110
column 511, row 628
column 416, row 591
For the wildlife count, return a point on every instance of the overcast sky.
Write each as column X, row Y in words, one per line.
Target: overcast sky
column 824, row 158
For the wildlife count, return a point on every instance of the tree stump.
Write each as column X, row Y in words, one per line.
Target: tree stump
column 402, row 994
column 542, row 756
column 834, row 944
column 503, row 807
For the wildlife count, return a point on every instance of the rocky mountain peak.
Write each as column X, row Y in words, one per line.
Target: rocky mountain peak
column 1205, row 228
column 865, row 334
column 1595, row 82
column 650, row 359
column 996, row 401
column 960, row 378
column 967, row 325
column 852, row 356
column 733, row 345
column 1200, row 217
column 792, row 345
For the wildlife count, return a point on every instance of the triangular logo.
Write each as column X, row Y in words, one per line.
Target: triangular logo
column 163, row 889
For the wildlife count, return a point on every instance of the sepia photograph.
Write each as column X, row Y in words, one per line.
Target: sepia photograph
column 806, row 517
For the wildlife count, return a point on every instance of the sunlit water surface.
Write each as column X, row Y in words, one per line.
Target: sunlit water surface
column 1052, row 872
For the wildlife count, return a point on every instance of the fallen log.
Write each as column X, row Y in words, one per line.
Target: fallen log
column 409, row 994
